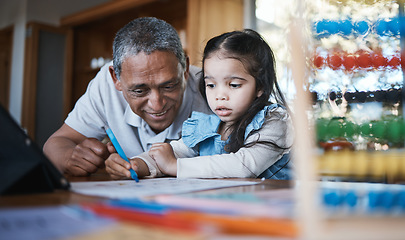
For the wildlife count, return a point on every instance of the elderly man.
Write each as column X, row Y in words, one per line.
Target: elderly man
column 144, row 97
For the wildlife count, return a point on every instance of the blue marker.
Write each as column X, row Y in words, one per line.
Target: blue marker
column 121, row 152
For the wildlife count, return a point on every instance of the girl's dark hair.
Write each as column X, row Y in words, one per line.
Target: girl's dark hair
column 255, row 54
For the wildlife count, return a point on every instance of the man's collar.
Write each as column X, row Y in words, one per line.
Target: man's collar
column 131, row 118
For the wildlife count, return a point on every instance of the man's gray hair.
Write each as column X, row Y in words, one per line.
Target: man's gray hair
column 146, row 34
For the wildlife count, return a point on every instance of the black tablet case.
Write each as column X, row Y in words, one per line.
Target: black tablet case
column 23, row 166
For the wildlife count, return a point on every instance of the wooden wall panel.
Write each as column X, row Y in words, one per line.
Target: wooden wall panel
column 33, row 77
column 208, row 18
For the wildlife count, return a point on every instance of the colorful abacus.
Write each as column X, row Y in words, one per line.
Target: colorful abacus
column 342, row 137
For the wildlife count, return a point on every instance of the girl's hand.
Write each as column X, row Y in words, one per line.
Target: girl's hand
column 164, row 157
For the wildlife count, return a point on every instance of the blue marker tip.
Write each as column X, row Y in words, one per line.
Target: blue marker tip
column 117, row 147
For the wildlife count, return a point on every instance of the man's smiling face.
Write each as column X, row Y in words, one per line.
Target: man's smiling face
column 153, row 85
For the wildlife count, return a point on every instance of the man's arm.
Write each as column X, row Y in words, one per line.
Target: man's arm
column 73, row 153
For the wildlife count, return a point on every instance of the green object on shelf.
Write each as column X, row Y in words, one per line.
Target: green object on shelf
column 335, row 128
column 365, row 129
column 322, row 129
column 378, row 129
column 395, row 130
column 350, row 129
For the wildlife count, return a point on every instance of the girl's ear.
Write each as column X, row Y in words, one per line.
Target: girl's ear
column 259, row 93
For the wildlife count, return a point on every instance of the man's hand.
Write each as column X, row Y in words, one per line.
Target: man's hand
column 86, row 157
column 73, row 153
column 164, row 157
column 118, row 168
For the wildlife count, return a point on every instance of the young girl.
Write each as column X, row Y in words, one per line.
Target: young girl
column 247, row 136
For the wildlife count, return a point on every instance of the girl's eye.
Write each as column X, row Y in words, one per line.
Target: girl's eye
column 235, row 85
column 210, row 85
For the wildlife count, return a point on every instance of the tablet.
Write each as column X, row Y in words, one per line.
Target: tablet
column 23, row 166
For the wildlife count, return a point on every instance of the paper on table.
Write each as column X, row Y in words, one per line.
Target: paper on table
column 42, row 223
column 151, row 187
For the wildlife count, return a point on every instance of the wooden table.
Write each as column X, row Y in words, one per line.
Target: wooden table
column 125, row 230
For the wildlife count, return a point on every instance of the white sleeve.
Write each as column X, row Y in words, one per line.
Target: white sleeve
column 181, row 150
column 247, row 162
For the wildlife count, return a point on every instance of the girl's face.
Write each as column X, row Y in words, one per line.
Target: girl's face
column 229, row 87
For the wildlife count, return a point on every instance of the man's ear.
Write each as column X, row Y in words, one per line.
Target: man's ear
column 187, row 68
column 117, row 82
